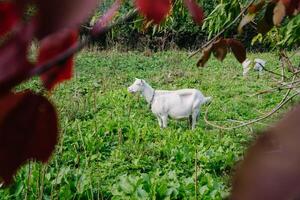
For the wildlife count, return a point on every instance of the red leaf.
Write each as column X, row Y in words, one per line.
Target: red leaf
column 205, row 56
column 245, row 20
column 8, row 16
column 237, row 49
column 267, row 22
column 60, row 14
column 270, row 169
column 14, row 64
column 155, row 10
column 220, row 49
column 28, row 130
column 254, row 8
column 106, row 18
column 52, row 46
column 195, row 10
column 279, row 13
column 291, row 6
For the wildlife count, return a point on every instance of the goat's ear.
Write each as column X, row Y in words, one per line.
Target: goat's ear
column 136, row 78
column 142, row 81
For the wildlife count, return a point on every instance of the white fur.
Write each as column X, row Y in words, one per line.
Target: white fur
column 259, row 64
column 246, row 66
column 176, row 104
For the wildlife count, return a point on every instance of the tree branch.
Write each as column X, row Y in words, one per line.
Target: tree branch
column 222, row 31
column 38, row 70
column 252, row 121
column 270, row 71
column 285, row 58
column 284, row 100
column 278, row 88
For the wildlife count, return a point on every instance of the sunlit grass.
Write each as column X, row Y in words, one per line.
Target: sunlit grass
column 112, row 147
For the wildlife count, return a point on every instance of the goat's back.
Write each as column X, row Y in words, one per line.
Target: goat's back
column 179, row 92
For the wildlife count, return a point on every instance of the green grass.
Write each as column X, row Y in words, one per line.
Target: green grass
column 112, row 148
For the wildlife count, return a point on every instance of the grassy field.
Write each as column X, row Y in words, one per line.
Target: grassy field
column 112, row 148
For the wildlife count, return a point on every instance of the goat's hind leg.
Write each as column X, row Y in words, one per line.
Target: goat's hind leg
column 164, row 121
column 194, row 118
column 159, row 121
column 195, row 112
column 190, row 121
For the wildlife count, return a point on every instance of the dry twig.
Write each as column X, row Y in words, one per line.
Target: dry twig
column 284, row 101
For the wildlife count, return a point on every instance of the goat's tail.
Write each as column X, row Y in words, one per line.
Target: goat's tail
column 207, row 100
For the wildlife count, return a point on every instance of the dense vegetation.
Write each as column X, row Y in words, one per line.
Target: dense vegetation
column 178, row 31
column 111, row 145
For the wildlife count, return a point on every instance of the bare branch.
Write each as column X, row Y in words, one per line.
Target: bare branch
column 285, row 59
column 284, row 101
column 272, row 72
column 276, row 89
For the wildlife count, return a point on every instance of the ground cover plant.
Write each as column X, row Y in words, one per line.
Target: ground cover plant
column 112, row 148
column 29, row 123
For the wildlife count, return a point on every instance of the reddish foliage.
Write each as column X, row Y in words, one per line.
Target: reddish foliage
column 106, row 18
column 279, row 13
column 205, row 56
column 291, row 6
column 195, row 10
column 52, row 46
column 267, row 22
column 254, row 8
column 237, row 49
column 276, row 11
column 219, row 49
column 59, row 14
column 8, row 16
column 245, row 20
column 14, row 64
column 28, row 130
column 28, row 122
column 155, row 10
column 270, row 169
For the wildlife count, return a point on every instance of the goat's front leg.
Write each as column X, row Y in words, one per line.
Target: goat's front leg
column 195, row 115
column 159, row 121
column 189, row 121
column 164, row 121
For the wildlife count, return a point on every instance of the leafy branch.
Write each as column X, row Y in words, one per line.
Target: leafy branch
column 223, row 30
column 284, row 101
column 79, row 46
column 292, row 85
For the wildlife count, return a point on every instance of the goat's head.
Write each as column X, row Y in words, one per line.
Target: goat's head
column 137, row 86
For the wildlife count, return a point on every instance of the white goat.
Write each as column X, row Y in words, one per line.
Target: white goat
column 259, row 65
column 177, row 104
